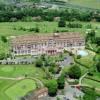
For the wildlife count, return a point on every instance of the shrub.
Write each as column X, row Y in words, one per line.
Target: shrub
column 74, row 72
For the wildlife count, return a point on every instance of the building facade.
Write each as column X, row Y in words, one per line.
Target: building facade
column 46, row 44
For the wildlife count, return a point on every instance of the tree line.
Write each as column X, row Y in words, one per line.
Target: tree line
column 14, row 13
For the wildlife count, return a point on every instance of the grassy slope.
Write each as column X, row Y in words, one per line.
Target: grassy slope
column 86, row 3
column 16, row 71
column 20, row 89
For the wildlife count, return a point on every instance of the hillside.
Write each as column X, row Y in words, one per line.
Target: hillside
column 11, row 1
column 80, row 3
column 85, row 3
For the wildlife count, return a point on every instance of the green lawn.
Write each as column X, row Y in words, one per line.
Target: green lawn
column 20, row 89
column 96, row 76
column 17, row 71
column 87, row 60
column 21, row 70
column 91, row 83
column 6, row 28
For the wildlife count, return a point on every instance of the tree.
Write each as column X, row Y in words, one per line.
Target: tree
column 91, row 36
column 61, row 82
column 98, row 66
column 74, row 72
column 4, row 39
column 2, row 56
column 98, row 41
column 98, row 50
column 52, row 87
column 38, row 63
column 37, row 30
column 61, row 23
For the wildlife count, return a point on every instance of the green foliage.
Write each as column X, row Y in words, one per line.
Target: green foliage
column 74, row 25
column 2, row 56
column 91, row 36
column 97, row 40
column 90, row 94
column 74, row 72
column 38, row 63
column 98, row 66
column 52, row 87
column 79, row 56
column 62, row 23
column 52, row 69
column 61, row 82
column 4, row 39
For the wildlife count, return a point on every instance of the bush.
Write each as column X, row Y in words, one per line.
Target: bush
column 61, row 82
column 61, row 23
column 38, row 63
column 74, row 72
column 2, row 56
column 74, row 25
column 79, row 56
column 52, row 87
column 4, row 39
column 98, row 66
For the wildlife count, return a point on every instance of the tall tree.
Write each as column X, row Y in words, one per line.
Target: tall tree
column 52, row 87
column 74, row 72
column 61, row 82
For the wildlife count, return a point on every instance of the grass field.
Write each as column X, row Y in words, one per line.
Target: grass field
column 91, row 83
column 45, row 27
column 21, row 70
column 20, row 89
column 85, row 3
column 9, row 88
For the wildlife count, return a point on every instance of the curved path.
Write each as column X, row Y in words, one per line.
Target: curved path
column 21, row 78
column 9, row 78
column 81, row 78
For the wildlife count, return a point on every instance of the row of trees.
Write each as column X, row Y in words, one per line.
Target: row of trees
column 13, row 13
column 62, row 23
column 91, row 37
column 53, row 85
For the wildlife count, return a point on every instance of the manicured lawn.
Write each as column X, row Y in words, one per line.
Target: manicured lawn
column 91, row 83
column 87, row 60
column 4, row 84
column 20, row 89
column 96, row 76
column 21, row 70
column 17, row 71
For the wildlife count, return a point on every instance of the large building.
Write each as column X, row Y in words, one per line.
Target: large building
column 46, row 44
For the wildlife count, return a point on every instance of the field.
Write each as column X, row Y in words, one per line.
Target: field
column 7, row 28
column 85, row 3
column 91, row 83
column 21, row 88
column 11, row 89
